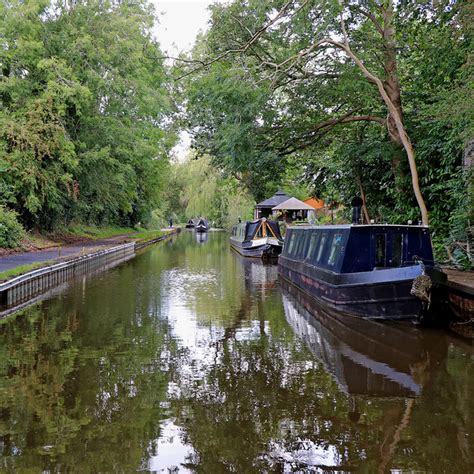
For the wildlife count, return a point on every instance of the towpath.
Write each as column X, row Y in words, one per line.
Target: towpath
column 62, row 252
column 57, row 253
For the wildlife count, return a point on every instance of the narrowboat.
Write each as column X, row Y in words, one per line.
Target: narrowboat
column 258, row 239
column 191, row 224
column 375, row 271
column 201, row 225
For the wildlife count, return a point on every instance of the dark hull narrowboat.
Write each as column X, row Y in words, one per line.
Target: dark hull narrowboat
column 191, row 224
column 257, row 239
column 370, row 271
column 201, row 225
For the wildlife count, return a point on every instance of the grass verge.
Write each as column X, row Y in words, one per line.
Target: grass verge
column 96, row 233
column 14, row 272
column 146, row 236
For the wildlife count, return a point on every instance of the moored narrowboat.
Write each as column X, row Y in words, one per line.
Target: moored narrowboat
column 191, row 223
column 258, row 239
column 201, row 225
column 371, row 271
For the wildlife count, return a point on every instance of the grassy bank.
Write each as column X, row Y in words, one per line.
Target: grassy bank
column 96, row 233
column 14, row 272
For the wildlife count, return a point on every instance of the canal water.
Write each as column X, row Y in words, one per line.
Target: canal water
column 191, row 359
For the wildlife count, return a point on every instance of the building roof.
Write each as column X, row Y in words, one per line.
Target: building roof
column 293, row 204
column 316, row 203
column 276, row 199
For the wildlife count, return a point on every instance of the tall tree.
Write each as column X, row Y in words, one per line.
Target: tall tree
column 316, row 65
column 83, row 105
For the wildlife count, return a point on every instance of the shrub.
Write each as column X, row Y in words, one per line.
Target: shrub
column 11, row 231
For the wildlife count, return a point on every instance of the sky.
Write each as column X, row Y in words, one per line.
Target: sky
column 179, row 23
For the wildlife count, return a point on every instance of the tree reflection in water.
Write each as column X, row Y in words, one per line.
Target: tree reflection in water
column 190, row 357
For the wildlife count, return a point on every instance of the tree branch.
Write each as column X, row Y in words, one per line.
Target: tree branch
column 245, row 46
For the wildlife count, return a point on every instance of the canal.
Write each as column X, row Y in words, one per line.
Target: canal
column 190, row 359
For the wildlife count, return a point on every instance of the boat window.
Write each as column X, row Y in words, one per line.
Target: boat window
column 303, row 245
column 299, row 241
column 288, row 243
column 322, row 243
column 335, row 251
column 397, row 250
column 313, row 244
column 293, row 240
column 380, row 240
column 299, row 236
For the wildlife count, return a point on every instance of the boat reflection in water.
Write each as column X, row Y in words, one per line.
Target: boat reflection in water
column 260, row 276
column 365, row 358
column 201, row 237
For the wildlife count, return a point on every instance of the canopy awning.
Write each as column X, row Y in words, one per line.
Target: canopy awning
column 293, row 204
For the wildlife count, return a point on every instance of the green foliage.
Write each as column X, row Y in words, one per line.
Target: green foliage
column 95, row 233
column 83, row 100
column 11, row 231
column 274, row 126
column 198, row 189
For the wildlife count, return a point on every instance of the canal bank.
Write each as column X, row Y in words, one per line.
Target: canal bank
column 18, row 292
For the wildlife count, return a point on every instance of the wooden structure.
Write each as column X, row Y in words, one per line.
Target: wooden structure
column 317, row 204
column 293, row 210
column 264, row 208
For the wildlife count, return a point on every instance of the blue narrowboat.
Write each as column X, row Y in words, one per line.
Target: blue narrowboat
column 191, row 223
column 375, row 271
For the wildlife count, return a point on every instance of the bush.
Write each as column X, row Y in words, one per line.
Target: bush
column 11, row 231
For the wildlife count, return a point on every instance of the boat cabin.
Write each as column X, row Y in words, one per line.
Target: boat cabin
column 201, row 225
column 246, row 231
column 358, row 248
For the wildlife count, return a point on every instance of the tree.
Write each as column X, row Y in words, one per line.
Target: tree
column 83, row 106
column 300, row 57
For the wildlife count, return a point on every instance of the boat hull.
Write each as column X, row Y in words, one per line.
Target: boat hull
column 263, row 251
column 380, row 295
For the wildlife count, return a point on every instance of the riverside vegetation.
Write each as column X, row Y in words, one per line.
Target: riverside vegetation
column 323, row 97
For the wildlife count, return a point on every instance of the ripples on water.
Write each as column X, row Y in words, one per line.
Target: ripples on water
column 192, row 359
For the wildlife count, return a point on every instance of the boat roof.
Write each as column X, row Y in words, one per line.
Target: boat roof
column 355, row 226
column 276, row 199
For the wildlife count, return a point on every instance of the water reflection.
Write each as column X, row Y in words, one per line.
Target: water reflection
column 366, row 357
column 189, row 359
column 201, row 237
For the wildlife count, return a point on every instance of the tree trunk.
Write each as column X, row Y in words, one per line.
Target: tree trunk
column 394, row 108
column 365, row 212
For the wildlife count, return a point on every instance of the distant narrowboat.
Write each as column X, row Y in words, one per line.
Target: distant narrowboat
column 201, row 225
column 191, row 224
column 258, row 239
column 371, row 271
